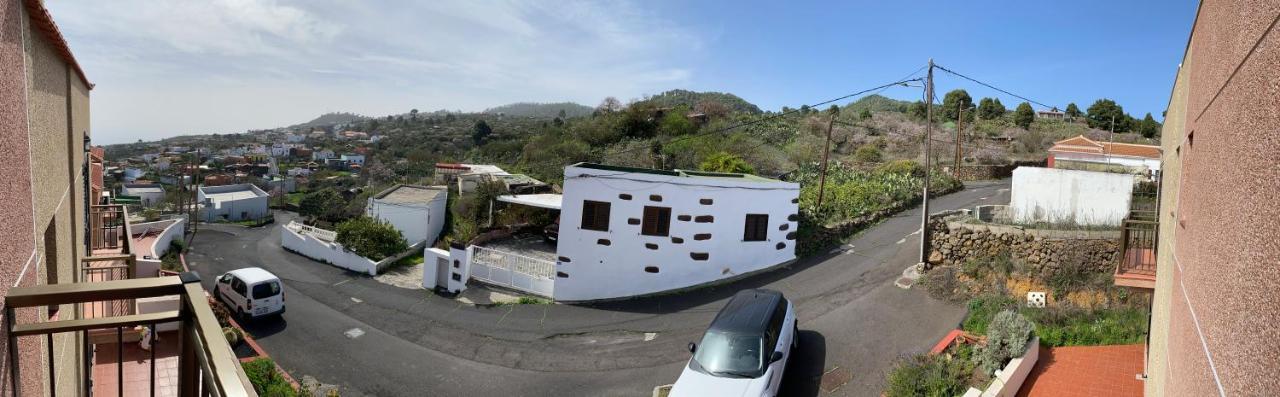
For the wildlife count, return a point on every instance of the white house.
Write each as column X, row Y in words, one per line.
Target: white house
column 353, row 158
column 148, row 194
column 630, row 231
column 294, row 138
column 1070, row 153
column 321, row 155
column 150, row 157
column 233, row 202
column 131, row 174
column 162, row 164
column 418, row 212
column 1053, row 195
column 298, row 171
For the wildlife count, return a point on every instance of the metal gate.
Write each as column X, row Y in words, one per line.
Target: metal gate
column 511, row 270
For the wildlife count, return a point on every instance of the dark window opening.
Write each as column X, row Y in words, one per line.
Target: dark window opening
column 793, row 217
column 702, row 236
column 651, row 246
column 705, row 201
column 650, row 269
column 624, row 196
column 51, row 258
column 565, row 259
column 562, row 275
column 604, row 242
column 784, row 226
column 456, row 264
column 266, row 290
column 791, row 236
column 657, row 221
column 677, row 240
column 704, row 219
column 633, row 221
column 699, row 256
column 595, row 215
column 684, row 218
column 781, row 245
column 654, row 197
column 757, row 228
column 795, row 200
column 457, row 277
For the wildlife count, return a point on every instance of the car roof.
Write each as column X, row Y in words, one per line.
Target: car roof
column 748, row 312
column 253, row 275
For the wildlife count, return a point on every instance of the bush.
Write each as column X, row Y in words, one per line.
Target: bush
column 266, row 381
column 726, row 162
column 929, row 375
column 867, row 154
column 233, row 336
column 982, row 309
column 1006, row 339
column 1076, row 327
column 371, row 238
column 902, row 167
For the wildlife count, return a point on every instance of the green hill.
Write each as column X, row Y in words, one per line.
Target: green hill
column 692, row 98
column 330, row 119
column 541, row 110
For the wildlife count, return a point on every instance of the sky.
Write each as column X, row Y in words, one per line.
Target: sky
column 165, row 68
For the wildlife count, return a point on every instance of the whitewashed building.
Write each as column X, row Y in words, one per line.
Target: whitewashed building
column 148, row 194
column 418, row 212
column 629, row 231
column 352, row 158
column 1061, row 196
column 233, row 202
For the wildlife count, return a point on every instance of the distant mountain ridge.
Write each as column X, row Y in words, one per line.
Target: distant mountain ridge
column 330, row 119
column 541, row 110
column 688, row 98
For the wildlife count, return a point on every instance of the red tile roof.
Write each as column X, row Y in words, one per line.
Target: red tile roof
column 1081, row 144
column 43, row 22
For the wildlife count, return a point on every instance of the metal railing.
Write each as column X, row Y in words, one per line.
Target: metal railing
column 206, row 364
column 109, row 228
column 515, row 262
column 1138, row 241
column 326, row 235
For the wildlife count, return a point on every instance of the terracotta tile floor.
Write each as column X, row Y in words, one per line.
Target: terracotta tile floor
column 137, row 368
column 1086, row 371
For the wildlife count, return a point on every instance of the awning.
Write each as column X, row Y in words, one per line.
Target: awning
column 542, row 200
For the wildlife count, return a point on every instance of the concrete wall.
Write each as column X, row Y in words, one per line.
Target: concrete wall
column 149, row 199
column 170, row 230
column 589, row 269
column 326, row 251
column 252, row 207
column 416, row 222
column 1215, row 304
column 1068, row 196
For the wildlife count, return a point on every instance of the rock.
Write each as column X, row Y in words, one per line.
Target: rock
column 935, row 257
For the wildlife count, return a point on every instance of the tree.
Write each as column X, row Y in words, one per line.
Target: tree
column 480, row 132
column 324, row 204
column 990, row 109
column 864, row 114
column 918, row 111
column 1073, row 111
column 370, row 238
column 413, row 114
column 1023, row 116
column 954, row 102
column 1103, row 111
column 726, row 162
column 610, row 105
column 1148, row 127
column 713, row 109
column 560, row 115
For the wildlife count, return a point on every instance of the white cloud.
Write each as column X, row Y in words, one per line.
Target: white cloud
column 170, row 67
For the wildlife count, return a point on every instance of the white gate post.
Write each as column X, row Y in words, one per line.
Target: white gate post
column 459, row 267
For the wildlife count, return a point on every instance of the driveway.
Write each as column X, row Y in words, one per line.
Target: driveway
column 854, row 322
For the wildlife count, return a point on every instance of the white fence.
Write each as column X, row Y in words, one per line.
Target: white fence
column 318, row 244
column 506, row 269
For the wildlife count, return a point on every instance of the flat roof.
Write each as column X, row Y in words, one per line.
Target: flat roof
column 253, row 275
column 409, row 194
column 231, row 192
column 543, row 200
column 679, row 173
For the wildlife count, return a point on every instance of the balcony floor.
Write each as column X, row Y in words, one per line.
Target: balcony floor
column 137, row 368
column 1086, row 371
column 1137, row 276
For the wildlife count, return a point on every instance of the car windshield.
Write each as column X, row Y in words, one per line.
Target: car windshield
column 266, row 290
column 730, row 355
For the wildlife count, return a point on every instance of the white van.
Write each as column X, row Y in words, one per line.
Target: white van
column 251, row 292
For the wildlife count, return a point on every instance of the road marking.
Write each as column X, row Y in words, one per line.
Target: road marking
column 356, row 300
column 342, row 282
column 904, row 239
column 648, row 336
column 504, row 315
column 354, row 333
column 544, row 316
column 915, row 232
column 982, row 198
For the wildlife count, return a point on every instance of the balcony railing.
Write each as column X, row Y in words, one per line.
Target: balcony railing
column 110, row 258
column 206, row 364
column 109, row 228
column 1139, row 238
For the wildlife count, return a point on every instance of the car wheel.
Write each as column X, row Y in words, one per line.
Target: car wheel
column 240, row 314
column 217, row 295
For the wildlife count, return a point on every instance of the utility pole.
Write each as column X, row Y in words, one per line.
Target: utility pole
column 959, row 127
column 928, row 136
column 1111, row 138
column 826, row 153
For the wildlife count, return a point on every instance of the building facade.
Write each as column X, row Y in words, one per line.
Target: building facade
column 628, row 231
column 1213, row 318
column 233, row 202
column 418, row 212
column 1083, row 153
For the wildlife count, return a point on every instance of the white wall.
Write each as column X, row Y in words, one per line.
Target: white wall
column 255, row 207
column 416, row 222
column 1069, row 196
column 328, row 252
column 430, row 266
column 597, row 271
column 148, row 198
column 1151, row 164
column 172, row 229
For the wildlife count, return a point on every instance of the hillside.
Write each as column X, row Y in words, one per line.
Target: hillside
column 541, row 110
column 691, row 99
column 330, row 119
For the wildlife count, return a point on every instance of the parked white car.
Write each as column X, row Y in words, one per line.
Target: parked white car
column 744, row 351
column 251, row 292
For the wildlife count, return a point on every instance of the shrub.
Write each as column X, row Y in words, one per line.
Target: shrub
column 266, row 381
column 867, row 154
column 982, row 309
column 1076, row 327
column 1006, row 339
column 232, row 335
column 726, row 162
column 371, row 238
column 929, row 375
column 902, row 167
column 941, row 284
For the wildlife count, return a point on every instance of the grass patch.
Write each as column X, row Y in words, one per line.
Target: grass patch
column 931, row 375
column 1065, row 326
column 266, row 380
column 410, row 260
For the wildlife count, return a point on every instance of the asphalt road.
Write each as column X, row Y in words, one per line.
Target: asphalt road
column 854, row 322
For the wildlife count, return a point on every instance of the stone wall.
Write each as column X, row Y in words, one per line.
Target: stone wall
column 984, row 172
column 1041, row 252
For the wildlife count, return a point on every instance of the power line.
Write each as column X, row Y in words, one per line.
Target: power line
column 771, row 117
column 994, row 87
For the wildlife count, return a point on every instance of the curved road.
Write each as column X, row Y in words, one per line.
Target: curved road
column 854, row 322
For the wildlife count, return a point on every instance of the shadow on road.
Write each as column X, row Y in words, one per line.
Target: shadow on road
column 682, row 300
column 264, row 327
column 804, row 371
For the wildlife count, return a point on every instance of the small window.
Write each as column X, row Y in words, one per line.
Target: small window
column 704, row 219
column 562, row 275
column 702, row 236
column 677, row 240
column 757, row 228
column 651, row 246
column 650, row 269
column 657, row 221
column 706, row 201
column 604, row 241
column 699, row 256
column 684, row 218
column 654, row 197
column 595, row 215
column 624, row 196
column 456, row 277
column 565, row 259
